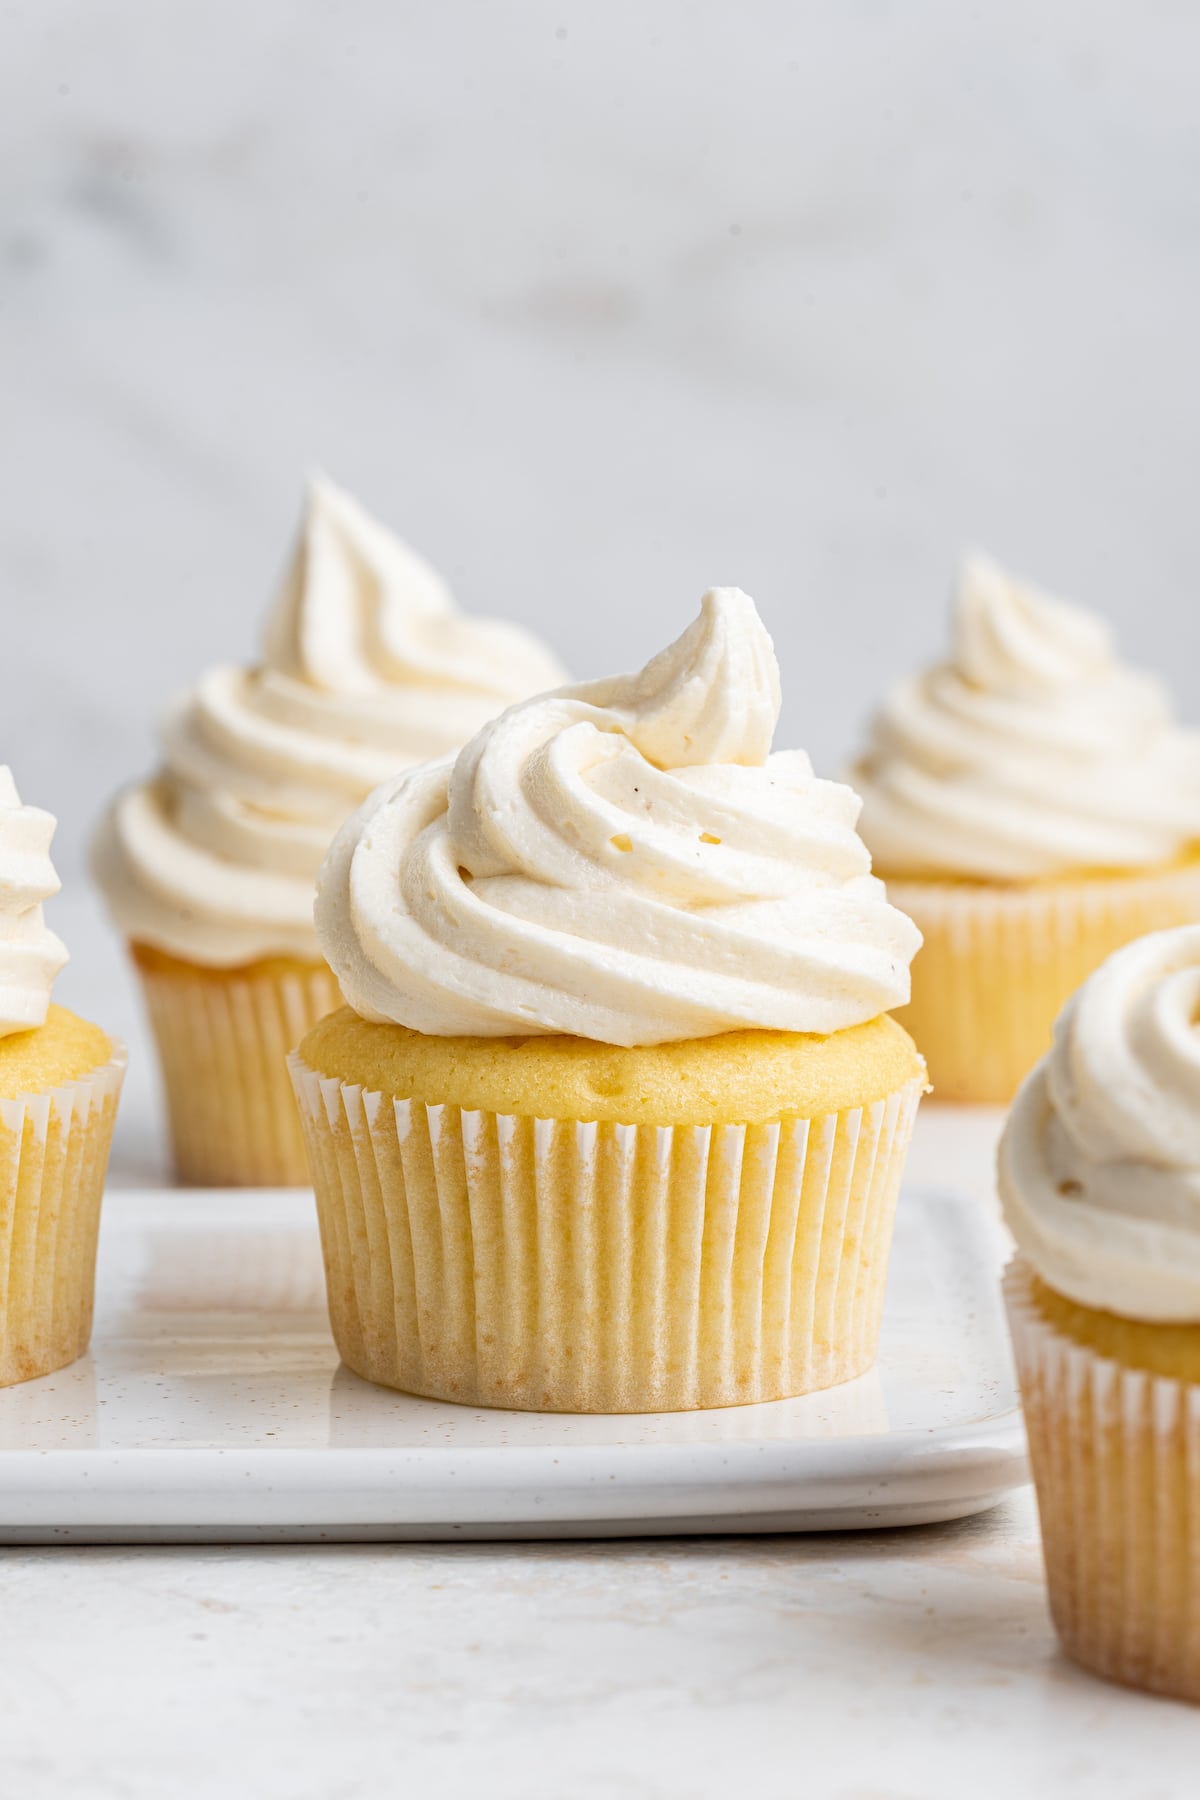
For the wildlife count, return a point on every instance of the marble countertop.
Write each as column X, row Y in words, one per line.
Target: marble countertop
column 876, row 1666
column 911, row 1665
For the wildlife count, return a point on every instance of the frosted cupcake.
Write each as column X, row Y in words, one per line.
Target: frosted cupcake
column 60, row 1079
column 615, row 1118
column 209, row 868
column 1100, row 1180
column 1032, row 804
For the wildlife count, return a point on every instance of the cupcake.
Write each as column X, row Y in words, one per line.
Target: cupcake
column 209, row 868
column 1033, row 806
column 1100, row 1181
column 60, row 1079
column 615, row 1117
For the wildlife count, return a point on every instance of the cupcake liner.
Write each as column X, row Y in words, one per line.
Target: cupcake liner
column 558, row 1266
column 53, row 1157
column 1116, row 1462
column 999, row 964
column 223, row 1040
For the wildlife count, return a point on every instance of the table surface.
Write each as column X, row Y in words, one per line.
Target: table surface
column 871, row 1666
column 866, row 1666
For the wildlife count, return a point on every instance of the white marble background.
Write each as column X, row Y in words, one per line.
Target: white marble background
column 598, row 304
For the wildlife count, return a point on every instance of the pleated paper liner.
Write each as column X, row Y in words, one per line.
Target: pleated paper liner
column 223, row 1039
column 1116, row 1462
column 53, row 1158
column 998, row 965
column 564, row 1267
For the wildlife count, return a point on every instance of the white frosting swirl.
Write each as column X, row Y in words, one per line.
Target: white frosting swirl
column 30, row 954
column 1033, row 752
column 1100, row 1160
column 367, row 669
column 624, row 861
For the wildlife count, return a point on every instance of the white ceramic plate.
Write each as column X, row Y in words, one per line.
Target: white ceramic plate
column 212, row 1407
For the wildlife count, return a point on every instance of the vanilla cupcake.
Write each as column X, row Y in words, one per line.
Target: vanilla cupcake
column 209, row 868
column 60, row 1079
column 615, row 1118
column 1100, row 1181
column 1032, row 805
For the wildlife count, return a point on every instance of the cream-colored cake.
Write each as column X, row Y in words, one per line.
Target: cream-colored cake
column 60, row 1079
column 1033, row 806
column 1100, row 1179
column 614, row 1121
column 209, row 868
column 736, row 1078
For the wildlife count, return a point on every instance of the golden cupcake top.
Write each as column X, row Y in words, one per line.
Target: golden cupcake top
column 1031, row 752
column 30, row 954
column 739, row 1078
column 367, row 667
column 1099, row 1165
column 625, row 860
column 62, row 1050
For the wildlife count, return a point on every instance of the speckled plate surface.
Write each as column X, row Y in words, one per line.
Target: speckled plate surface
column 212, row 1407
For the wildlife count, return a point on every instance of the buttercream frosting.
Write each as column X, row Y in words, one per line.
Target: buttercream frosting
column 623, row 860
column 30, row 954
column 1032, row 752
column 367, row 668
column 1099, row 1164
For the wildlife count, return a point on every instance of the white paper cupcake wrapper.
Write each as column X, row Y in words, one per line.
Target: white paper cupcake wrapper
column 1116, row 1461
column 998, row 964
column 562, row 1266
column 223, row 1046
column 53, row 1158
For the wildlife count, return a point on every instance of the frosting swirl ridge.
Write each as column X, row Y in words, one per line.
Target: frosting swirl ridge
column 1100, row 1161
column 1032, row 752
column 30, row 954
column 622, row 860
column 367, row 669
